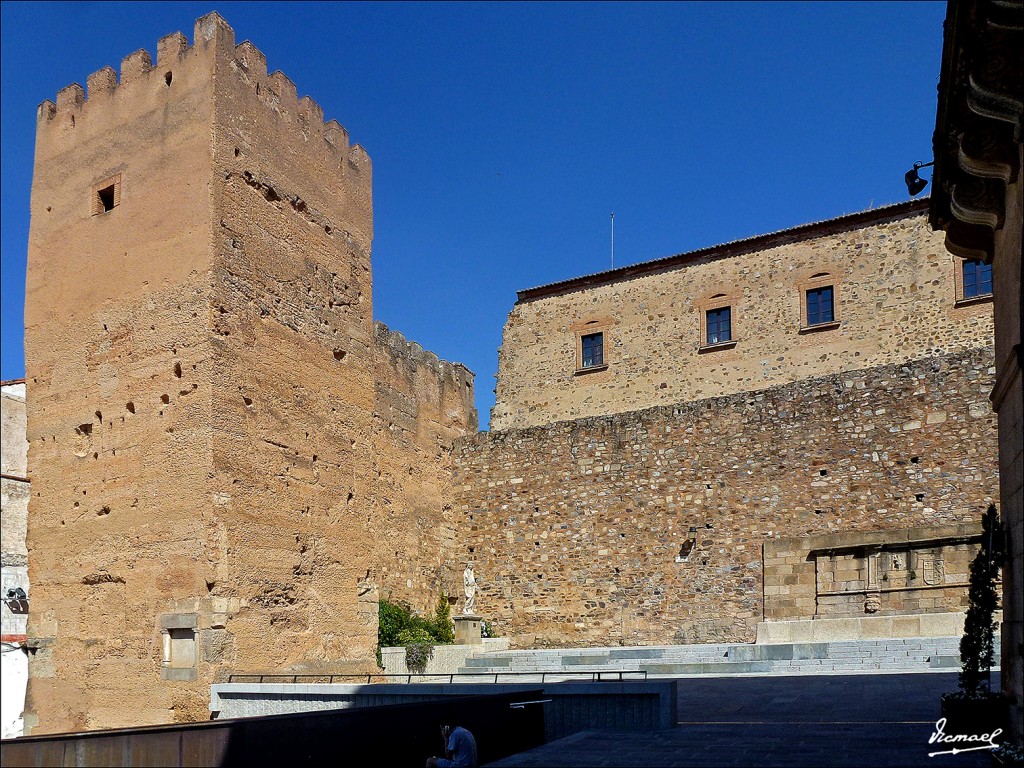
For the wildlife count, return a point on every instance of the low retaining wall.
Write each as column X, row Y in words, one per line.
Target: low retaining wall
column 446, row 659
column 573, row 707
column 861, row 628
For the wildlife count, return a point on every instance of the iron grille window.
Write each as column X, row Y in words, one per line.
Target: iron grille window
column 977, row 278
column 593, row 350
column 820, row 307
column 719, row 325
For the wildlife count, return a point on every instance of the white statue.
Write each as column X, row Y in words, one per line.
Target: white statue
column 469, row 583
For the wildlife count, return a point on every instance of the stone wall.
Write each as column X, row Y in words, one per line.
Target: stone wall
column 881, row 573
column 647, row 527
column 895, row 298
column 230, row 461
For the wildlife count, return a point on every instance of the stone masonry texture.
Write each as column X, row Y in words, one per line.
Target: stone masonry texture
column 578, row 528
column 895, row 297
column 225, row 449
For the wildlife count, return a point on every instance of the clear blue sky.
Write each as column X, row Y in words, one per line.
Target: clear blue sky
column 503, row 135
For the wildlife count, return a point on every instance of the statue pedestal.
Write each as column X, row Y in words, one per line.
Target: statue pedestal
column 467, row 629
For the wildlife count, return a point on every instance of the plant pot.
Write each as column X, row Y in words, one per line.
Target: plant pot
column 975, row 717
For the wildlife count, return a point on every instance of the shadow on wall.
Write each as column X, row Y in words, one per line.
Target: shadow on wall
column 349, row 737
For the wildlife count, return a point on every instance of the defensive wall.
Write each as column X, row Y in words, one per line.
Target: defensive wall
column 679, row 487
column 230, row 460
column 660, row 526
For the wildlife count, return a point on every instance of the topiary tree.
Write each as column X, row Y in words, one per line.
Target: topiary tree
column 977, row 649
column 441, row 627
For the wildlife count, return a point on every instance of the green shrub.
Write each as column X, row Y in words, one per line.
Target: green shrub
column 398, row 620
column 441, row 627
column 392, row 619
column 419, row 648
column 976, row 647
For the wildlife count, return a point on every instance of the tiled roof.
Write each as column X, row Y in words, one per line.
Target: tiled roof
column 732, row 248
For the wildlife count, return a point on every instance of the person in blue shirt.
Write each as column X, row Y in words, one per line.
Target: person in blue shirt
column 460, row 746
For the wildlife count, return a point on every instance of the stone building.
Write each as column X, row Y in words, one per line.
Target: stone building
column 978, row 201
column 783, row 437
column 231, row 460
column 229, row 457
column 14, row 493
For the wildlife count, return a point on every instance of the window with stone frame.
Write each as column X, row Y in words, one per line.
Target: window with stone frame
column 977, row 279
column 179, row 635
column 718, row 326
column 820, row 305
column 593, row 343
column 592, row 350
column 718, row 318
column 819, row 302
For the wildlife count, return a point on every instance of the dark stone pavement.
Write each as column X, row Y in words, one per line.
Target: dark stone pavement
column 806, row 720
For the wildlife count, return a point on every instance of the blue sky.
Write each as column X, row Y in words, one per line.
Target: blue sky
column 503, row 135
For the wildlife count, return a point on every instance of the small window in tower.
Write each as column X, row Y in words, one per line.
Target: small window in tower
column 106, row 196
column 180, row 646
column 183, row 648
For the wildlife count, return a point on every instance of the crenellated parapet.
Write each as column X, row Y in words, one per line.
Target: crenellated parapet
column 213, row 51
column 411, row 354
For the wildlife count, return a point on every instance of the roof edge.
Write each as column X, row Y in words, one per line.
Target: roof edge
column 732, row 248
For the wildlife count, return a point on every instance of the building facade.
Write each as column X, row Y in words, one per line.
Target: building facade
column 14, row 586
column 978, row 202
column 874, row 288
column 793, row 427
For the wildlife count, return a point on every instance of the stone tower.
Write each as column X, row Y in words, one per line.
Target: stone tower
column 228, row 458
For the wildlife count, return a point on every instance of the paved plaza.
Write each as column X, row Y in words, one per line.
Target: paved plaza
column 806, row 720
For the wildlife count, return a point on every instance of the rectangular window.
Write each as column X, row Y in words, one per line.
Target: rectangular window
column 820, row 307
column 977, row 278
column 106, row 196
column 719, row 325
column 593, row 350
column 183, row 648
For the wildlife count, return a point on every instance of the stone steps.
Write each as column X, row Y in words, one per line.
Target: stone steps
column 906, row 654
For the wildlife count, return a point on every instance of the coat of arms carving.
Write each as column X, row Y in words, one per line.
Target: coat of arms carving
column 932, row 570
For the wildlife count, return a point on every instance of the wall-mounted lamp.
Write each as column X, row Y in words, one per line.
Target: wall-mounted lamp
column 914, row 182
column 688, row 545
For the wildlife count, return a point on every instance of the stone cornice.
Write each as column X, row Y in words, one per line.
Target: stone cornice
column 979, row 122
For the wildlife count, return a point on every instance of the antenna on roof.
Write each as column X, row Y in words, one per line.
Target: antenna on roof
column 613, row 239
